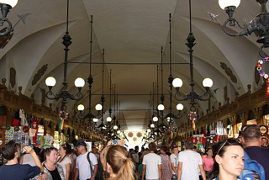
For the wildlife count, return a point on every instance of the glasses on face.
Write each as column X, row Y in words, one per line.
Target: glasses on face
column 229, row 141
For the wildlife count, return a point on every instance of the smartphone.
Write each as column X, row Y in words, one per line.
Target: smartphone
column 115, row 141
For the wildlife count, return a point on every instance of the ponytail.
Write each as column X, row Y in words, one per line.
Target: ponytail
column 122, row 166
column 126, row 171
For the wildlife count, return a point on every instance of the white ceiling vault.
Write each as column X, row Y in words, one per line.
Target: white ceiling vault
column 130, row 31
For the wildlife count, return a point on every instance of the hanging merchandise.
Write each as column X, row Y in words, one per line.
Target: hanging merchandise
column 63, row 115
column 44, row 141
column 220, row 128
column 34, row 126
column 18, row 136
column 23, row 118
column 16, row 119
column 193, row 117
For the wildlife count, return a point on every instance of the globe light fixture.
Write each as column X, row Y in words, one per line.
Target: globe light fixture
column 98, row 107
column 108, row 119
column 258, row 25
column 155, row 118
column 50, row 81
column 177, row 82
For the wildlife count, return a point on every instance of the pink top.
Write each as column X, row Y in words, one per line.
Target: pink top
column 208, row 163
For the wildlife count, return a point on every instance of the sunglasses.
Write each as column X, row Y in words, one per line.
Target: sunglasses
column 228, row 141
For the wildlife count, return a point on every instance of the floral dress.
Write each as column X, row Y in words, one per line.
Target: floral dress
column 166, row 172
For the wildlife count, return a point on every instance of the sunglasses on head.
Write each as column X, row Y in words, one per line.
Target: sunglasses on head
column 228, row 141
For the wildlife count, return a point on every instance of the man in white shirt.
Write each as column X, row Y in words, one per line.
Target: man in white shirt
column 152, row 164
column 189, row 163
column 83, row 169
column 174, row 162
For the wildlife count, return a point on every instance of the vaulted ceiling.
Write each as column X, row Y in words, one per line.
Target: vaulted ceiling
column 131, row 33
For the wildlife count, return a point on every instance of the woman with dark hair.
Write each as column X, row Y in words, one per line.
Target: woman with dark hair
column 229, row 160
column 208, row 161
column 64, row 159
column 116, row 162
column 166, row 166
column 51, row 167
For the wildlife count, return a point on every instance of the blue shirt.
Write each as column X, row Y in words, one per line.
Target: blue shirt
column 18, row 172
column 261, row 156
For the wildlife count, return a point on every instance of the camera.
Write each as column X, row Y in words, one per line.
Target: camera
column 115, row 141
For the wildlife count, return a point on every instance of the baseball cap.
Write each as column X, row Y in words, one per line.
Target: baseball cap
column 175, row 147
column 81, row 143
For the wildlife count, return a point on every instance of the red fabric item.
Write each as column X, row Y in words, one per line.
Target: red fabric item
column 216, row 138
column 194, row 140
column 15, row 122
column 202, row 140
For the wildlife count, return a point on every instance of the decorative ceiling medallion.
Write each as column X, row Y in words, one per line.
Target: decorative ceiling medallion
column 139, row 134
column 134, row 139
column 39, row 74
column 130, row 134
column 229, row 72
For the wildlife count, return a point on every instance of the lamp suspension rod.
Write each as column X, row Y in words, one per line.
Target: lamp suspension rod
column 90, row 78
column 110, row 95
column 115, row 100
column 170, row 43
column 170, row 79
column 103, row 79
column 157, row 87
column 162, row 71
column 125, row 63
column 66, row 42
column 190, row 44
column 91, row 47
column 153, row 99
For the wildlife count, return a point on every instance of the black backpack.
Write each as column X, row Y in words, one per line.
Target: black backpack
column 100, row 171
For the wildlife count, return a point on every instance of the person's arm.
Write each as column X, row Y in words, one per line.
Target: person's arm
column 30, row 151
column 76, row 174
column 160, row 171
column 170, row 167
column 21, row 160
column 179, row 170
column 143, row 171
column 201, row 166
column 67, row 167
column 94, row 171
column 173, row 167
column 74, row 163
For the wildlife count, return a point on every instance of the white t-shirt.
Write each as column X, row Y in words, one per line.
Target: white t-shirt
column 191, row 161
column 64, row 162
column 84, row 167
column 174, row 160
column 152, row 161
column 28, row 159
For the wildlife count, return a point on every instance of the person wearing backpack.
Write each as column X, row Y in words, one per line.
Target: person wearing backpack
column 252, row 139
column 84, row 169
column 100, row 170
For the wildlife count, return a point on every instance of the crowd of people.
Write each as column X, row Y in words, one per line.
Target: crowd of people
column 228, row 159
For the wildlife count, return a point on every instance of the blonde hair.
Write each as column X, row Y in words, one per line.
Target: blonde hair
column 122, row 166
